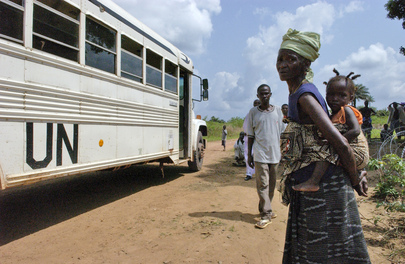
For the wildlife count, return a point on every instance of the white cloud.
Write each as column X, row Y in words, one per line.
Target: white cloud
column 352, row 7
column 373, row 57
column 228, row 96
column 381, row 69
column 262, row 12
column 185, row 23
column 213, row 6
column 224, row 87
column 261, row 49
column 305, row 20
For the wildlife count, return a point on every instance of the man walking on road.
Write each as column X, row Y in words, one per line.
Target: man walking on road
column 264, row 127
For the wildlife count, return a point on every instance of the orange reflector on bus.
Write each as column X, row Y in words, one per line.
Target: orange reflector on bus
column 199, row 117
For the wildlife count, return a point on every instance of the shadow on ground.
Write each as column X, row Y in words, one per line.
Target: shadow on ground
column 26, row 210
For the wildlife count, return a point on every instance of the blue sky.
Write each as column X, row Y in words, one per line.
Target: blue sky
column 234, row 43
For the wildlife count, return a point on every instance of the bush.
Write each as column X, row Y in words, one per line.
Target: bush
column 378, row 123
column 236, row 122
column 390, row 187
column 234, row 126
column 216, row 119
column 382, row 112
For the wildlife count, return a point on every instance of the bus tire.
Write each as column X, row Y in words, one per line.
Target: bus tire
column 198, row 154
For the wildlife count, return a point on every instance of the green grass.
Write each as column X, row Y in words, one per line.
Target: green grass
column 378, row 123
column 235, row 125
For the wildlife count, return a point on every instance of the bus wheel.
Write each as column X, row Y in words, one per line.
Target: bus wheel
column 198, row 154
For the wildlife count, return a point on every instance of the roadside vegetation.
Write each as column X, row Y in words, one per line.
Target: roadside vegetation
column 235, row 125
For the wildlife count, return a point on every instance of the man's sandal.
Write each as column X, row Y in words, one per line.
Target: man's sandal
column 263, row 223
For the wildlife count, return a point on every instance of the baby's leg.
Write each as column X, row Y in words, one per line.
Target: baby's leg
column 362, row 174
column 312, row 184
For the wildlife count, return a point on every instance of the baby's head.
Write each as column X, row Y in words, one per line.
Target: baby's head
column 340, row 90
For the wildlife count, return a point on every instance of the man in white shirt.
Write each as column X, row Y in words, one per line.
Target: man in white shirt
column 264, row 127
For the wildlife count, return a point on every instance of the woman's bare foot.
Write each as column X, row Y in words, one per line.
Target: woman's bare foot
column 362, row 174
column 306, row 187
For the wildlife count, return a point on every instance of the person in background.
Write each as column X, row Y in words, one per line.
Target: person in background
column 322, row 226
column 401, row 109
column 393, row 118
column 264, row 125
column 367, row 125
column 396, row 118
column 239, row 149
column 284, row 109
column 385, row 133
column 224, row 136
column 249, row 170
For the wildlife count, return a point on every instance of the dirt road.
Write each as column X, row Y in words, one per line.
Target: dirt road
column 136, row 216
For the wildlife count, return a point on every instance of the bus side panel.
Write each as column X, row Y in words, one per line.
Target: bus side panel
column 92, row 85
column 130, row 94
column 154, row 139
column 11, row 68
column 130, row 141
column 97, row 143
column 45, row 74
column 12, row 147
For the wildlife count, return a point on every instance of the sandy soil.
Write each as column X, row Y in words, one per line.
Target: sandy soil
column 137, row 216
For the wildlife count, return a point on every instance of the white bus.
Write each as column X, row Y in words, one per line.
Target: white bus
column 84, row 86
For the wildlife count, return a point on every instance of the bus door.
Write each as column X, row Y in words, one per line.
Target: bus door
column 184, row 101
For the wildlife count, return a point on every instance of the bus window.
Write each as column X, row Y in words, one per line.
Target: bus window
column 153, row 69
column 170, row 77
column 131, row 59
column 56, row 28
column 12, row 21
column 100, row 46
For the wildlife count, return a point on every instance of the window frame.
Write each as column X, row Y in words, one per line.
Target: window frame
column 171, row 76
column 17, row 7
column 88, row 42
column 154, row 69
column 52, row 40
column 140, row 57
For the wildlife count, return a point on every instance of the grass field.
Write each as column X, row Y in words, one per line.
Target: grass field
column 235, row 125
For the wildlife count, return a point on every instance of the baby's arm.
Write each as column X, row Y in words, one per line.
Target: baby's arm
column 353, row 125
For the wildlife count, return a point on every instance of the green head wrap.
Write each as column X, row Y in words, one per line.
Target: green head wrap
column 306, row 44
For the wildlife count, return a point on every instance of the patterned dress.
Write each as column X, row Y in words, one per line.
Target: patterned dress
column 323, row 226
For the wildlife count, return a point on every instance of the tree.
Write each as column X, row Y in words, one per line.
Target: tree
column 217, row 119
column 396, row 9
column 362, row 93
